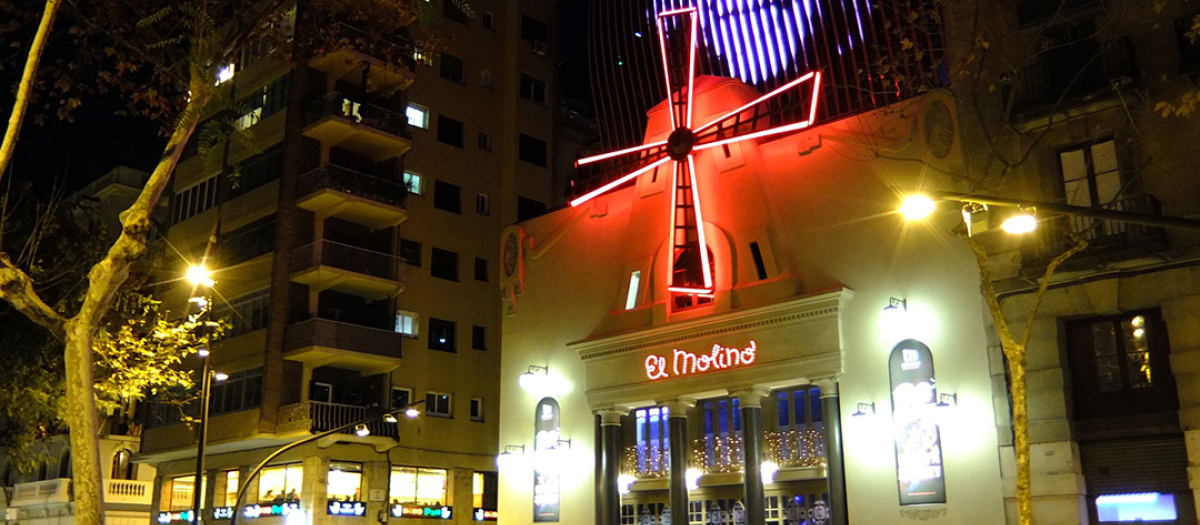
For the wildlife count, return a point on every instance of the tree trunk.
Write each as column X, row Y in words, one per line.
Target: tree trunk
column 22, row 102
column 1020, row 423
column 81, row 417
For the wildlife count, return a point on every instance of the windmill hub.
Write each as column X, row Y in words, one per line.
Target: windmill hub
column 680, row 143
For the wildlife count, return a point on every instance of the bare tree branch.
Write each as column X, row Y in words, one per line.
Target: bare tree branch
column 16, row 287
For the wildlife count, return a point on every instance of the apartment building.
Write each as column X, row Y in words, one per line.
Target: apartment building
column 356, row 258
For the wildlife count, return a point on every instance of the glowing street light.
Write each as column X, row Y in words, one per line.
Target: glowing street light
column 1022, row 222
column 198, row 275
column 362, row 430
column 917, row 207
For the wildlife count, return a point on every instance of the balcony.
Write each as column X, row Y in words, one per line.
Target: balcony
column 1107, row 240
column 328, row 265
column 334, row 191
column 369, row 130
column 41, row 492
column 389, row 64
column 128, row 492
column 796, row 448
column 326, row 416
column 1059, row 82
column 320, row 342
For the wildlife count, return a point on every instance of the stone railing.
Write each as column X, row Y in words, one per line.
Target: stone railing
column 795, row 448
column 36, row 492
column 128, row 491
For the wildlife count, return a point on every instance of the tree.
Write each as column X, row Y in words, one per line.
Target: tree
column 164, row 56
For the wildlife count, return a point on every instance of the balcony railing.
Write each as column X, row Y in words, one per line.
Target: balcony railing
column 391, row 50
column 1046, row 84
column 343, row 336
column 351, row 182
column 714, row 454
column 48, row 491
column 1105, row 238
column 646, row 462
column 326, row 416
column 128, row 491
column 342, row 106
column 796, row 448
column 346, row 257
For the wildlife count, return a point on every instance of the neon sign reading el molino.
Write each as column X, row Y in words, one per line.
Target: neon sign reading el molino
column 685, row 363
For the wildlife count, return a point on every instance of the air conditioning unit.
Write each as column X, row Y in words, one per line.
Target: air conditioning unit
column 539, row 47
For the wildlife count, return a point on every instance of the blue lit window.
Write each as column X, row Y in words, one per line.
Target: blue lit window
column 1139, row 506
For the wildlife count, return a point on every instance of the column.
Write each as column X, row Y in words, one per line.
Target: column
column 750, row 403
column 831, row 408
column 610, row 466
column 376, row 475
column 314, row 488
column 677, row 426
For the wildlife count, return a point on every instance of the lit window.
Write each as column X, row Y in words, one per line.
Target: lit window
column 231, row 487
column 437, row 404
column 635, row 281
column 477, row 490
column 226, row 74
column 280, row 484
column 406, row 323
column 345, row 481
column 418, row 116
column 1141, row 506
column 181, row 489
column 420, row 486
column 413, row 182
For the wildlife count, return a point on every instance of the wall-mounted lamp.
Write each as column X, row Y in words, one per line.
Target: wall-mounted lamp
column 767, row 471
column 691, row 478
column 624, row 481
column 896, row 305
column 865, row 409
column 508, row 459
column 1024, row 221
column 535, row 378
column 362, row 430
column 567, row 441
column 947, row 400
column 975, row 216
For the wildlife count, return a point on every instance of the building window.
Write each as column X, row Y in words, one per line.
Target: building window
column 241, row 391
column 532, row 150
column 635, row 283
column 401, row 397
column 443, row 264
column 485, row 79
column 419, row 486
column 447, row 197
column 437, row 404
column 247, row 314
column 760, row 266
column 533, row 89
column 1120, row 366
column 450, row 131
column 417, row 115
column 1091, row 176
column 320, row 392
column 476, row 409
column 489, row 22
column 280, row 484
column 534, row 30
column 486, row 487
column 410, row 252
column 798, row 415
column 482, row 205
column 485, row 141
column 452, row 66
column 412, row 182
column 452, row 10
column 345, row 481
column 653, row 440
column 528, row 208
column 122, row 466
column 195, row 200
column 406, row 323
column 181, row 489
column 232, row 485
column 441, row 335
column 478, row 337
column 481, row 269
column 722, row 422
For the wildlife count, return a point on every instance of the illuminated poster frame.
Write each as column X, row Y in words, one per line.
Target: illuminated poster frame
column 546, row 490
column 918, row 440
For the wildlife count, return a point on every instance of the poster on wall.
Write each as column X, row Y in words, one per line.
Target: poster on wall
column 915, row 430
column 546, row 463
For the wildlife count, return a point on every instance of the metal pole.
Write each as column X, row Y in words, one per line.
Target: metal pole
column 205, row 388
column 1160, row 221
column 237, row 505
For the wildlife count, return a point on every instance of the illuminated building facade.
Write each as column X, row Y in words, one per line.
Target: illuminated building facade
column 355, row 252
column 738, row 328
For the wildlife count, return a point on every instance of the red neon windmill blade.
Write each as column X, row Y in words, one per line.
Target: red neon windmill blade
column 686, row 233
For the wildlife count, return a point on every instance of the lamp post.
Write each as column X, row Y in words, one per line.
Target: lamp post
column 200, row 276
column 409, row 410
column 916, row 207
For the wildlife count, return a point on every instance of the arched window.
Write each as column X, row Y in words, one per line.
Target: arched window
column 64, row 464
column 122, row 465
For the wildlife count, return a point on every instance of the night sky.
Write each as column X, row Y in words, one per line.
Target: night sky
column 71, row 154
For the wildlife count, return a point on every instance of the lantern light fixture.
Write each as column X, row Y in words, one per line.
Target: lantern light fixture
column 947, row 400
column 535, row 378
column 1024, row 221
column 362, row 430
column 865, row 409
column 917, row 207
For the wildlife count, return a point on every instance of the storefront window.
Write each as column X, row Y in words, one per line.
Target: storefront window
column 422, row 486
column 477, row 490
column 653, row 440
column 231, row 487
column 280, row 484
column 345, row 481
column 182, row 490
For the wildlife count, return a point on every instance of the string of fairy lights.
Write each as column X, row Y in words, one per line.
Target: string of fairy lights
column 726, row 454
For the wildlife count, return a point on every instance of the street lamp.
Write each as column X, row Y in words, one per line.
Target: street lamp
column 243, row 485
column 917, row 207
column 200, row 276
